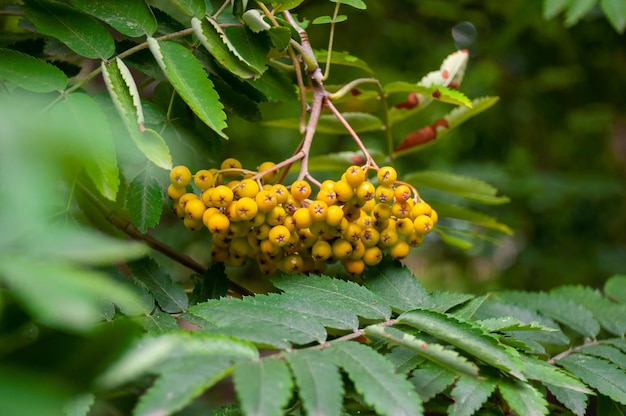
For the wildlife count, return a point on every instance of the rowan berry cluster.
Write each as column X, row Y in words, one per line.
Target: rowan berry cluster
column 351, row 220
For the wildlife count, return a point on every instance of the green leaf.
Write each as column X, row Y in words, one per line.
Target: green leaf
column 403, row 359
column 577, row 9
column 252, row 47
column 573, row 400
column 275, row 85
column 395, row 284
column 454, row 238
column 615, row 12
column 89, row 122
column 469, row 394
column 461, row 114
column 467, row 214
column 170, row 297
column 282, row 5
column 159, row 322
column 617, row 342
column 374, row 377
column 212, row 284
column 79, row 405
column 263, row 386
column 125, row 96
column 327, row 290
column 61, row 295
column 280, row 37
column 440, row 301
column 343, row 59
column 523, row 398
column 192, row 8
column 597, row 373
column 357, row 4
column 467, row 337
column 611, row 316
column 190, row 80
column 80, row 32
column 469, row 308
column 430, row 380
column 552, row 8
column 509, row 323
column 470, row 188
column 437, row 92
column 607, row 352
column 615, row 288
column 329, row 124
column 30, row 73
column 318, row 381
column 254, row 20
column 262, row 324
column 536, row 369
column 322, row 20
column 25, row 392
column 132, row 17
column 144, row 201
column 444, row 358
column 213, row 38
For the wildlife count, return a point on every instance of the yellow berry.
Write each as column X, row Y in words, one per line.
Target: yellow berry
column 175, row 191
column 402, row 193
column 353, row 266
column 270, row 176
column 423, row 224
column 292, row 263
column 384, row 194
column 420, row 208
column 387, row 175
column 352, row 233
column 370, row 236
column 358, row 249
column 302, row 218
column 180, row 176
column 231, row 167
column 414, row 239
column 192, row 224
column 341, row 248
column 218, row 223
column 318, row 210
column 246, row 188
column 246, row 208
column 266, row 200
column 300, row 190
column 222, row 196
column 372, row 256
column 366, row 191
column 328, row 196
column 343, row 191
column 281, row 192
column 276, row 215
column 381, row 212
column 207, row 214
column 404, row 226
column 388, row 237
column 399, row 250
column 203, row 179
column 401, row 209
column 279, row 235
column 354, row 175
column 185, row 198
column 321, row 250
column 328, row 184
column 334, row 216
column 434, row 216
column 195, row 209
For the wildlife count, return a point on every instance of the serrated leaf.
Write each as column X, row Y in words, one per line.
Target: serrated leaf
column 444, row 358
column 557, row 307
column 615, row 288
column 190, row 80
column 159, row 322
column 213, row 38
column 573, row 400
column 430, row 380
column 326, row 290
column 615, row 12
column 394, row 283
column 275, row 85
column 132, row 17
column 329, row 124
column 465, row 336
column 357, row 4
column 89, row 121
column 441, row 301
column 469, row 308
column 192, row 8
column 144, row 201
column 523, row 398
column 617, row 342
column 509, row 323
column 374, row 377
column 80, row 32
column 469, row 394
column 280, row 37
column 30, row 73
column 607, row 352
column 552, row 8
column 212, row 284
column 318, row 382
column 170, row 297
column 470, row 188
column 125, row 96
column 403, row 359
column 611, row 316
column 437, row 92
column 470, row 215
column 536, row 369
column 263, row 386
column 262, row 324
column 79, row 405
column 343, row 59
column 577, row 9
column 597, row 373
column 252, row 47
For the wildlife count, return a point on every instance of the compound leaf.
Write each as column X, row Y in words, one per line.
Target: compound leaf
column 441, row 301
column 326, row 290
column 607, row 352
column 577, row 9
column 263, row 386
column 374, row 377
column 430, row 380
column 509, row 323
column 144, row 201
column 170, row 296
column 252, row 47
column 470, row 188
column 573, row 400
column 132, row 17
column 80, row 32
column 466, row 336
column 190, row 80
column 523, row 398
column 469, row 394
column 536, row 369
column 598, row 373
column 30, row 73
column 318, row 381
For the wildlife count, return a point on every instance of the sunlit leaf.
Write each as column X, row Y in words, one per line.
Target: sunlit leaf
column 615, row 12
column 132, row 17
column 30, row 73
column 343, row 59
column 615, row 288
column 357, row 4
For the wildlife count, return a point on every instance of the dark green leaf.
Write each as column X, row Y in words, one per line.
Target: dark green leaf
column 170, row 297
column 467, row 214
column 326, row 290
column 275, row 85
column 598, row 373
column 442, row 301
column 132, row 17
column 213, row 284
column 252, row 47
column 469, row 394
column 237, row 102
column 523, row 398
column 144, row 201
column 615, row 12
column 470, row 188
column 24, row 392
column 464, row 335
column 469, row 308
column 536, row 369
column 403, row 359
column 343, row 59
column 615, row 288
column 80, row 32
column 281, row 5
column 190, row 80
column 318, row 381
column 159, row 322
column 573, row 400
column 430, row 380
column 607, row 352
column 374, row 377
column 552, row 8
column 30, row 73
column 357, row 4
column 263, row 386
column 394, row 283
column 193, row 8
column 280, row 37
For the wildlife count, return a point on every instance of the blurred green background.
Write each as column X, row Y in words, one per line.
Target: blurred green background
column 555, row 142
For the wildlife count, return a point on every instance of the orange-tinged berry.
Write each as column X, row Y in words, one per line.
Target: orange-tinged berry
column 353, row 266
column 372, row 256
column 328, row 196
column 420, row 208
column 387, row 175
column 402, row 193
column 185, row 198
column 318, row 210
column 300, row 190
column 266, row 200
column 270, row 176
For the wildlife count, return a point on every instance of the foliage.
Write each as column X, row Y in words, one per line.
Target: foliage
column 98, row 102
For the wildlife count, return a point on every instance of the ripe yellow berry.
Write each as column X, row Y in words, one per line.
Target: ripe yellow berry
column 388, row 237
column 402, row 193
column 194, row 209
column 318, row 210
column 180, row 176
column 192, row 224
column 354, row 175
column 231, row 167
column 292, row 263
column 370, row 236
column 291, row 204
column 328, row 184
column 206, row 197
column 414, row 239
column 246, row 188
column 404, row 226
column 279, row 235
column 420, row 208
column 180, row 211
column 222, row 196
column 268, row 177
column 175, row 191
column 246, row 208
column 387, row 175
column 423, row 224
column 207, row 214
column 372, row 256
column 434, row 216
column 281, row 192
column 185, row 198
column 328, row 196
column 266, row 200
column 366, row 191
column 352, row 233
column 343, row 191
column 276, row 216
column 321, row 250
column 353, row 266
column 300, row 190
column 381, row 212
column 401, row 209
column 399, row 250
column 341, row 248
column 203, row 179
column 302, row 218
column 334, row 216
column 358, row 250
column 218, row 223
column 384, row 194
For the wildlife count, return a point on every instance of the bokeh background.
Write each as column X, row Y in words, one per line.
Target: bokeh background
column 555, row 143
